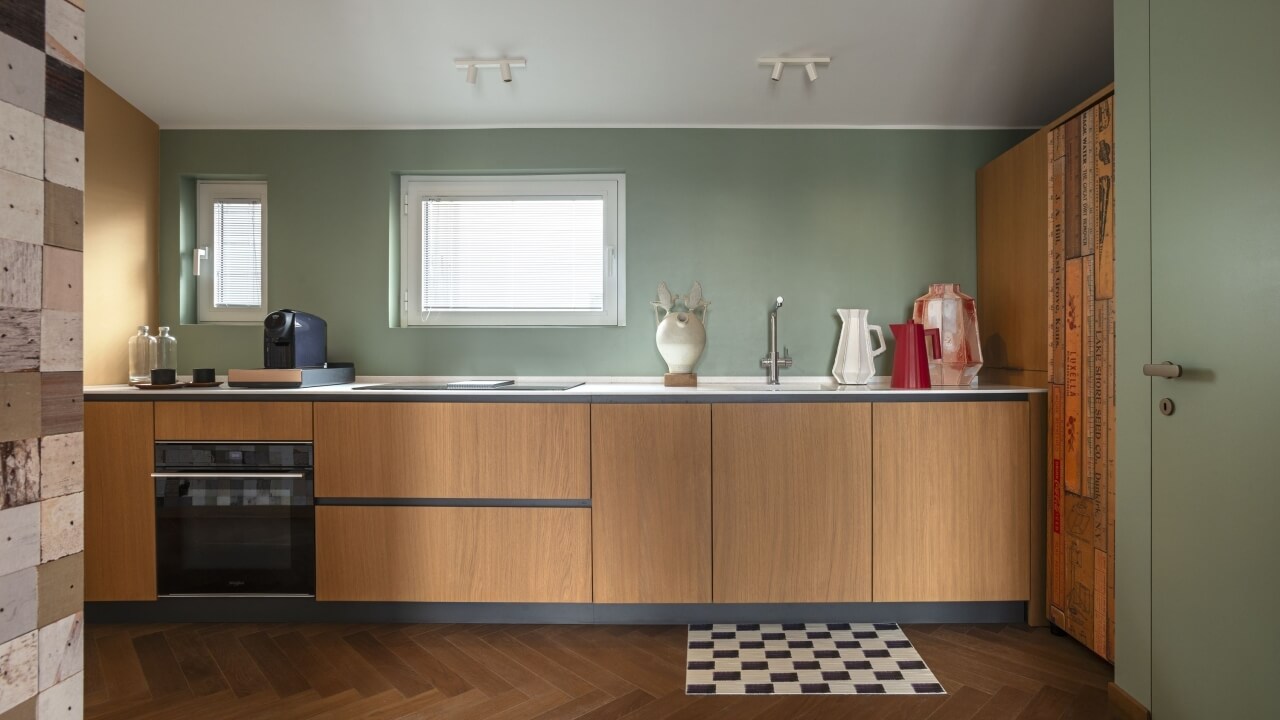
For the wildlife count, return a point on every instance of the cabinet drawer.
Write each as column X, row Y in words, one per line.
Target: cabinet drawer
column 453, row 450
column 453, row 554
column 261, row 421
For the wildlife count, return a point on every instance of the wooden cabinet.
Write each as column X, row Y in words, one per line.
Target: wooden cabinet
column 453, row 554
column 952, row 509
column 453, row 450
column 791, row 489
column 233, row 420
column 651, row 503
column 119, row 502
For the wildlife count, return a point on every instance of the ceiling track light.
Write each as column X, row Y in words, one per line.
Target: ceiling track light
column 810, row 65
column 504, row 65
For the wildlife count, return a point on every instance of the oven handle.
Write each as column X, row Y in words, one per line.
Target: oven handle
column 226, row 475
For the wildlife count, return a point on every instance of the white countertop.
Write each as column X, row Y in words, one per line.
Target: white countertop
column 801, row 387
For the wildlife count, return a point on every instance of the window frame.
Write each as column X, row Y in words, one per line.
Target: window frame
column 207, row 193
column 610, row 186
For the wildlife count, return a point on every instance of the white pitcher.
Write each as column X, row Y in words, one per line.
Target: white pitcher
column 854, row 357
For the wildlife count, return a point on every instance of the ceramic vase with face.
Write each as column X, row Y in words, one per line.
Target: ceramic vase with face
column 681, row 334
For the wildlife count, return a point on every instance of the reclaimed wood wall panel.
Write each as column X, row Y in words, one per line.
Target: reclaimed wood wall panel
column 21, row 75
column 1082, row 400
column 41, row 356
column 21, row 213
column 21, row 141
column 63, row 216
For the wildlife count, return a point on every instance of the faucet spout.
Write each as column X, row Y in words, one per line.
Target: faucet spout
column 773, row 361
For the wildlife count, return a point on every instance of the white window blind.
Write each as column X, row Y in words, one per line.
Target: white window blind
column 513, row 254
column 237, row 253
column 230, row 259
column 515, row 250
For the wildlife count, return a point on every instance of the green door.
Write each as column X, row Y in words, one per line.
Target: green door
column 1215, row 274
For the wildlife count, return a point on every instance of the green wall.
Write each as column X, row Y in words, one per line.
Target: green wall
column 825, row 218
column 1133, row 348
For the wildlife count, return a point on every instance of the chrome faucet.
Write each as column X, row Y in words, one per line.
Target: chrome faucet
column 774, row 362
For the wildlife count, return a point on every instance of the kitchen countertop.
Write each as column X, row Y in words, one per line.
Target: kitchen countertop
column 596, row 390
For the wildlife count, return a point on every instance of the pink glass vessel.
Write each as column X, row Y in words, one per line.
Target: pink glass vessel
column 956, row 317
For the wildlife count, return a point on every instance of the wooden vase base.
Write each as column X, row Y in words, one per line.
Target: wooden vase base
column 680, row 380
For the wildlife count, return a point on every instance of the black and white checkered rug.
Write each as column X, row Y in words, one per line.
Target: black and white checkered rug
column 813, row 658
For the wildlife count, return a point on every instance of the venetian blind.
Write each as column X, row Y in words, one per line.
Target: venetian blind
column 513, row 254
column 237, row 253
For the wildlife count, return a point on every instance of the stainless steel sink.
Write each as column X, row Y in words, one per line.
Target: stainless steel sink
column 765, row 387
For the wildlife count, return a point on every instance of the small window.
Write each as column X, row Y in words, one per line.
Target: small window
column 513, row 250
column 231, row 251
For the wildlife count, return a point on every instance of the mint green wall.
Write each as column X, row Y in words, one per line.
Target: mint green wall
column 826, row 218
column 1133, row 348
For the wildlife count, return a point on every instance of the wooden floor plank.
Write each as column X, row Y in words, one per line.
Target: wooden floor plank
column 401, row 676
column 159, row 666
column 280, row 673
column 203, row 676
column 350, row 665
column 238, row 669
column 319, row 672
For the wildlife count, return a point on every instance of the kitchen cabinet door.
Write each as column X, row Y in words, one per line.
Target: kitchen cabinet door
column 453, row 450
column 233, row 421
column 453, row 554
column 119, row 502
column 952, row 507
column 791, row 489
column 651, row 503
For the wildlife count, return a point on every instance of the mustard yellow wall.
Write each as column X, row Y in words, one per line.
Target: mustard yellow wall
column 121, row 195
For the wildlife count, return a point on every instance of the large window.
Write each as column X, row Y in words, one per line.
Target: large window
column 231, row 251
column 513, row 250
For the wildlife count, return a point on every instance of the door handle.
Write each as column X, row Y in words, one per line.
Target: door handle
column 1164, row 370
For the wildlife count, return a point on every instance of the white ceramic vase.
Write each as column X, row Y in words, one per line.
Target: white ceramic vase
column 682, row 333
column 855, row 360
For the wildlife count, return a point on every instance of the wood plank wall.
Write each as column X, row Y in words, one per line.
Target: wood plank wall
column 1081, row 353
column 41, row 443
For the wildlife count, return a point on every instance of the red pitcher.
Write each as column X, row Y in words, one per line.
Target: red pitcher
column 911, row 357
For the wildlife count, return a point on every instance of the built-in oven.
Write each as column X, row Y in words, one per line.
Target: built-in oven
column 235, row 519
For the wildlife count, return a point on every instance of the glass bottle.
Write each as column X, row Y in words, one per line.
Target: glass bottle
column 166, row 350
column 142, row 356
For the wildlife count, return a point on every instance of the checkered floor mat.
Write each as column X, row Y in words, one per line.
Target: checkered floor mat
column 813, row 658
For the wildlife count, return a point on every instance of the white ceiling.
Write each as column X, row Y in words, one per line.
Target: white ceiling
column 389, row 63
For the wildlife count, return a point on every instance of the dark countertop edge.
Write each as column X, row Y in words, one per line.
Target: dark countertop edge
column 623, row 399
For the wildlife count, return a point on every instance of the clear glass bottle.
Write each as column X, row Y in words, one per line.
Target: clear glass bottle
column 166, row 350
column 142, row 356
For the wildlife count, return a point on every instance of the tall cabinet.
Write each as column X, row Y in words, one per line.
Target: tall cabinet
column 1046, row 259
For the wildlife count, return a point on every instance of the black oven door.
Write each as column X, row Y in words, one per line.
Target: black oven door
column 235, row 533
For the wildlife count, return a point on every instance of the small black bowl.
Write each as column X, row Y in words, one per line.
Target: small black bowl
column 164, row 376
column 203, row 375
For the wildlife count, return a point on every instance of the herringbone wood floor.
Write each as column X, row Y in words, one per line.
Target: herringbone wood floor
column 505, row 672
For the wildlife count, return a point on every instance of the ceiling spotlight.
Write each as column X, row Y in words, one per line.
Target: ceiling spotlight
column 504, row 65
column 810, row 65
